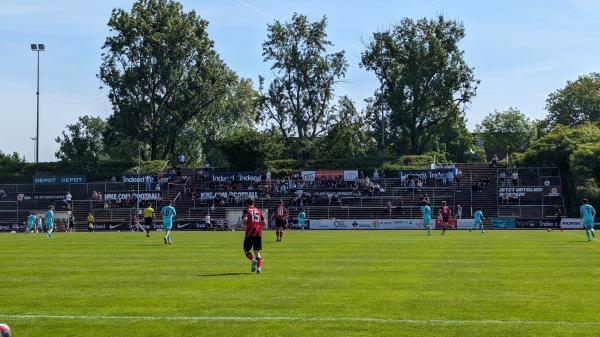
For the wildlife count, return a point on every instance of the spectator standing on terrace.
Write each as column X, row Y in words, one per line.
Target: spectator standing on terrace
column 68, row 199
column 375, row 175
column 587, row 214
column 50, row 221
column 148, row 180
column 558, row 217
column 90, row 222
column 495, row 160
column 134, row 222
column 280, row 215
column 458, row 212
column 207, row 223
column 71, row 224
column 181, row 159
column 515, row 178
column 253, row 222
column 148, row 218
column 426, row 212
column 445, row 213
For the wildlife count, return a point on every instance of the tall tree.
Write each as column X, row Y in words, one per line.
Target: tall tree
column 556, row 147
column 348, row 136
column 298, row 101
column 82, row 143
column 506, row 131
column 576, row 103
column 163, row 73
column 425, row 80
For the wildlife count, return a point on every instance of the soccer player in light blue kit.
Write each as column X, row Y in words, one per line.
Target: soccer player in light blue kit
column 587, row 214
column 478, row 221
column 167, row 213
column 301, row 220
column 426, row 211
column 31, row 219
column 49, row 221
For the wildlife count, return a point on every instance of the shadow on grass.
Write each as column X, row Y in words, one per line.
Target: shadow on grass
column 223, row 274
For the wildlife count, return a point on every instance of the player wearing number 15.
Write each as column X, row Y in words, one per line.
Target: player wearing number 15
column 587, row 214
column 167, row 213
column 253, row 222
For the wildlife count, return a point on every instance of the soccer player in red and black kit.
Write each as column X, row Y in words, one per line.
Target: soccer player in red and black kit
column 281, row 215
column 253, row 222
column 445, row 212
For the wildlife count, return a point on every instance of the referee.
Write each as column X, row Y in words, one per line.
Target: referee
column 149, row 218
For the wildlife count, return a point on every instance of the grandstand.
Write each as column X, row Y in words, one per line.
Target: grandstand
column 480, row 186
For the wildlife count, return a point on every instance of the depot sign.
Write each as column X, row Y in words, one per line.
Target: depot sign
column 59, row 180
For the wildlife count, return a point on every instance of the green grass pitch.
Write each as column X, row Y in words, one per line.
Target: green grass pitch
column 320, row 283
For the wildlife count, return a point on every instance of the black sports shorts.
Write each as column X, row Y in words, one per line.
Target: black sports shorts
column 252, row 243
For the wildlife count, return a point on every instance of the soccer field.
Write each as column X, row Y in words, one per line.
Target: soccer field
column 320, row 283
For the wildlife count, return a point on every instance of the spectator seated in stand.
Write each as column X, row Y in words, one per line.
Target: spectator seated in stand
column 514, row 199
column 476, row 188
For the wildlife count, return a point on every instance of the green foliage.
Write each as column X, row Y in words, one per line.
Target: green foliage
column 578, row 102
column 298, row 100
column 507, row 131
column 83, row 145
column 556, row 147
column 390, row 164
column 588, row 189
column 163, row 73
column 248, row 150
column 347, row 137
column 426, row 83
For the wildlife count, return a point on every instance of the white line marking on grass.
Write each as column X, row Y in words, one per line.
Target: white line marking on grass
column 310, row 319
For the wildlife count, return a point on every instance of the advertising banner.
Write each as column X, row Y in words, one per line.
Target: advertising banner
column 243, row 177
column 59, row 180
column 571, row 223
column 10, row 226
column 504, row 223
column 348, row 175
column 40, row 196
column 521, row 191
column 431, row 174
column 152, row 196
column 141, row 178
column 535, row 223
column 552, row 191
column 452, row 223
column 464, row 223
column 368, row 224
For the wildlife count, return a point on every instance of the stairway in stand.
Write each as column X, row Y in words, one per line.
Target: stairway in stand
column 471, row 200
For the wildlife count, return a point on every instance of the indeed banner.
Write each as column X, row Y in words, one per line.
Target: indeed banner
column 236, row 176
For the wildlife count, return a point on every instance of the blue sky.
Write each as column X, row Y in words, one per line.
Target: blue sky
column 521, row 51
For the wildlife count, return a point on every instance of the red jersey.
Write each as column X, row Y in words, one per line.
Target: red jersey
column 280, row 212
column 254, row 219
column 445, row 211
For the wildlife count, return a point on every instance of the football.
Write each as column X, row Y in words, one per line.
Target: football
column 549, row 229
column 4, row 330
